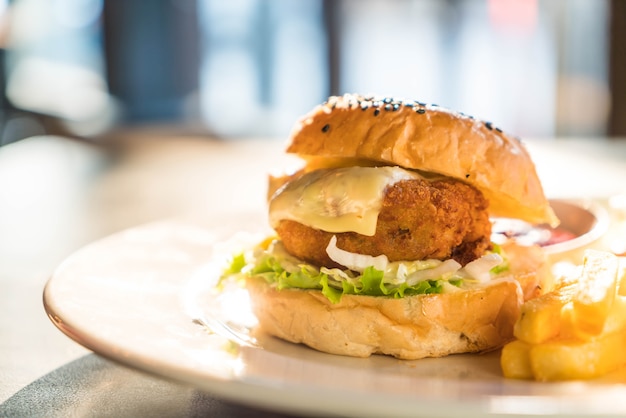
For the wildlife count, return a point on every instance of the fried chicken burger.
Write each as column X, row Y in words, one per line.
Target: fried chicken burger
column 383, row 238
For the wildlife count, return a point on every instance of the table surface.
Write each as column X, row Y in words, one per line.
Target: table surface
column 58, row 194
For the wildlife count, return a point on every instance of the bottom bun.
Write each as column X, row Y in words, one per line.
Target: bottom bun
column 409, row 328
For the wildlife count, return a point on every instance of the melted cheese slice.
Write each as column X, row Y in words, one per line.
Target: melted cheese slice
column 346, row 199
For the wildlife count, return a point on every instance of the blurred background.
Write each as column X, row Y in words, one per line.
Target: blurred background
column 106, row 108
column 241, row 68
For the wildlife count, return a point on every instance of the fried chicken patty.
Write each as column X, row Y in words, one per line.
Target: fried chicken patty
column 419, row 220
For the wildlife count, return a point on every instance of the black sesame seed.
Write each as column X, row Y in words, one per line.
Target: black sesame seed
column 325, row 128
column 376, row 112
column 499, row 130
column 489, row 125
column 420, row 111
column 467, row 176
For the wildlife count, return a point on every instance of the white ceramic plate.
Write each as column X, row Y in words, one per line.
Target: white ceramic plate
column 144, row 297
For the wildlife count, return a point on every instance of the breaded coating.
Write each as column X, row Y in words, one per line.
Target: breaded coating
column 419, row 220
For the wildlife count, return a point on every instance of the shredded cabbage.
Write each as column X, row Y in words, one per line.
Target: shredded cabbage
column 354, row 261
column 365, row 275
column 443, row 270
column 480, row 268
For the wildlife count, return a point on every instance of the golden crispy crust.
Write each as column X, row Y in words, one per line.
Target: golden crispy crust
column 428, row 138
column 419, row 220
column 408, row 328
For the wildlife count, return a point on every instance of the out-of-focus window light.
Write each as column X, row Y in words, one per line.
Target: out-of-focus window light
column 255, row 66
column 55, row 67
column 263, row 64
column 524, row 64
column 583, row 89
column 4, row 6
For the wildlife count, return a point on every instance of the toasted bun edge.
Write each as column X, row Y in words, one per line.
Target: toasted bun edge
column 428, row 138
column 410, row 328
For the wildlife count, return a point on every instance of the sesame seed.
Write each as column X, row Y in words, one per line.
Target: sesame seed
column 489, row 125
column 420, row 111
column 376, row 112
column 325, row 128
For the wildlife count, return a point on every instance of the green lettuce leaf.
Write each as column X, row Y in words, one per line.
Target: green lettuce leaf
column 283, row 271
column 370, row 282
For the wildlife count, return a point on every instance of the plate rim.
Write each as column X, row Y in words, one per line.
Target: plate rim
column 261, row 396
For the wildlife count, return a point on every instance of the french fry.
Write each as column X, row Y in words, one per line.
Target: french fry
column 595, row 293
column 615, row 321
column 577, row 331
column 564, row 359
column 573, row 360
column 515, row 360
column 540, row 318
column 621, row 288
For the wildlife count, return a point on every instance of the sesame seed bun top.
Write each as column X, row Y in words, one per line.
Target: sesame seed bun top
column 428, row 138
